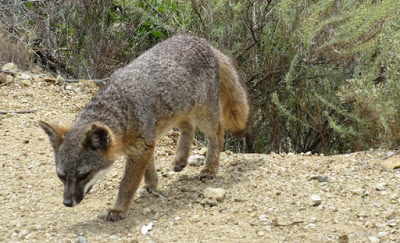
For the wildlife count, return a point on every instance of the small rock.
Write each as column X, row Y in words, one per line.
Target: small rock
column 315, row 200
column 23, row 233
column 23, row 76
column 382, row 234
column 113, row 237
column 12, row 67
column 216, row 193
column 146, row 211
column 209, row 201
column 26, row 82
column 390, row 153
column 9, row 79
column 319, row 178
column 196, row 160
column 81, row 239
column 260, row 233
column 381, row 186
column 309, row 153
column 359, row 191
column 146, row 228
column 263, row 218
column 195, row 219
column 268, row 228
column 374, row 239
column 343, row 239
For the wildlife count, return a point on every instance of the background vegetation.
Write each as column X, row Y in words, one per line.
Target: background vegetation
column 323, row 74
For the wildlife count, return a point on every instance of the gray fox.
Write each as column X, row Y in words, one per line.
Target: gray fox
column 181, row 82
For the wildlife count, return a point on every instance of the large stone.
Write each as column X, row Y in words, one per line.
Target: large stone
column 24, row 76
column 315, row 200
column 12, row 67
column 214, row 193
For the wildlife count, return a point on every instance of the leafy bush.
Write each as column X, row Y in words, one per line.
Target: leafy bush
column 323, row 74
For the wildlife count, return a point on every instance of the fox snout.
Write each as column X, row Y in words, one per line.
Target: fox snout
column 75, row 189
column 73, row 194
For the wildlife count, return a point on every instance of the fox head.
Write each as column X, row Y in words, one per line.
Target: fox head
column 82, row 157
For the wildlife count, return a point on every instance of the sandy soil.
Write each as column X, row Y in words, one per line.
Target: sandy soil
column 268, row 198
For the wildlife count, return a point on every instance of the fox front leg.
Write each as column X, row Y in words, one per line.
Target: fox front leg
column 135, row 168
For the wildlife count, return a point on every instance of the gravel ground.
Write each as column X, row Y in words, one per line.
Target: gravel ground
column 260, row 198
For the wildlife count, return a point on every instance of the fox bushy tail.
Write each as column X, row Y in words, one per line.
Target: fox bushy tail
column 235, row 98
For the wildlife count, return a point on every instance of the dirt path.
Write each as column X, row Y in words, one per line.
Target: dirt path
column 267, row 197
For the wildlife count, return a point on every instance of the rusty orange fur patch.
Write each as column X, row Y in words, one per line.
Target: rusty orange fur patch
column 61, row 130
column 119, row 144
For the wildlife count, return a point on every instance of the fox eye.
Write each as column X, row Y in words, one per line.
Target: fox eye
column 83, row 176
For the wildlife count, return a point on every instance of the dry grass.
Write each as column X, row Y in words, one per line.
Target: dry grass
column 13, row 50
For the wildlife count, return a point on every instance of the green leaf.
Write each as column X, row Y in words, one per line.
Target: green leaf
column 157, row 33
column 29, row 4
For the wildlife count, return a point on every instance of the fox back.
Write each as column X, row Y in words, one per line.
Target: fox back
column 182, row 82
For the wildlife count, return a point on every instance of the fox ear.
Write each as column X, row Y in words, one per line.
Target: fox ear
column 98, row 137
column 56, row 133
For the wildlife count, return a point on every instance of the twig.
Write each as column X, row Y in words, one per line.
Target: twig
column 17, row 112
column 154, row 9
column 63, row 90
column 276, row 224
column 93, row 80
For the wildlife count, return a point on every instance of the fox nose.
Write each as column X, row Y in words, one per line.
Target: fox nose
column 68, row 202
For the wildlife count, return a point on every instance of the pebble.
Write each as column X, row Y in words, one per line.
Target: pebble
column 146, row 228
column 9, row 79
column 263, row 218
column 24, row 76
column 390, row 153
column 319, row 178
column 209, row 201
column 113, row 237
column 23, row 233
column 195, row 218
column 359, row 191
column 196, row 160
column 382, row 234
column 374, row 239
column 12, row 67
column 81, row 239
column 214, row 193
column 315, row 200
column 381, row 186
column 26, row 82
column 146, row 211
column 260, row 233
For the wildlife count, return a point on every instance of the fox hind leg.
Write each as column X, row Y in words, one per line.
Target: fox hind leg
column 185, row 140
column 150, row 177
column 215, row 138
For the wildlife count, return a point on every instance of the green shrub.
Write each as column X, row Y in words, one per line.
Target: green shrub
column 323, row 74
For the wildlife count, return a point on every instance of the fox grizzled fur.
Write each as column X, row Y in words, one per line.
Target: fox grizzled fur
column 182, row 82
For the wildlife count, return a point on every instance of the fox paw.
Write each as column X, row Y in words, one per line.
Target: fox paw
column 207, row 174
column 114, row 215
column 149, row 189
column 178, row 165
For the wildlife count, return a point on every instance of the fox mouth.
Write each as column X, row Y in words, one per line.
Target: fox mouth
column 88, row 190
